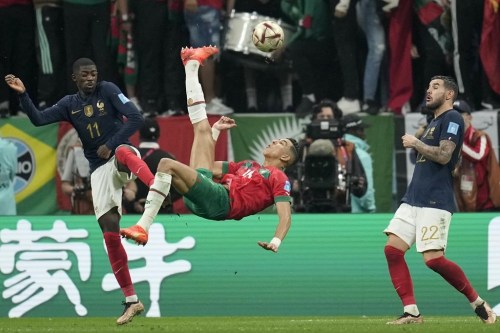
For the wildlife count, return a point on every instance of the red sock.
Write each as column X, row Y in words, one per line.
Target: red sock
column 119, row 262
column 455, row 276
column 137, row 166
column 400, row 275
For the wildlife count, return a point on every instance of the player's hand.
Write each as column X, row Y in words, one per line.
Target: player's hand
column 15, row 83
column 224, row 123
column 268, row 246
column 104, row 152
column 409, row 141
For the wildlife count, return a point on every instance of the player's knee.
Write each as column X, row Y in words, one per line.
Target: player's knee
column 166, row 165
column 392, row 253
column 434, row 263
column 122, row 151
column 204, row 129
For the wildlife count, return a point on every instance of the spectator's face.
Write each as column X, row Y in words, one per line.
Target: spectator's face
column 467, row 119
column 360, row 132
column 326, row 113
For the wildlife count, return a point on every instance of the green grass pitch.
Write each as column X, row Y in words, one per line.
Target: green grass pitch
column 432, row 324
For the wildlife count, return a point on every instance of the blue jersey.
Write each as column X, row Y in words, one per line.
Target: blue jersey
column 97, row 118
column 432, row 183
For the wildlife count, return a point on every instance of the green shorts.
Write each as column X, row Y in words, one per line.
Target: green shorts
column 207, row 198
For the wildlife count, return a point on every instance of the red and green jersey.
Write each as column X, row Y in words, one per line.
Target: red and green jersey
column 253, row 187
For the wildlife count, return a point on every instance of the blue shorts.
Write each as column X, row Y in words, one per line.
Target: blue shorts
column 204, row 26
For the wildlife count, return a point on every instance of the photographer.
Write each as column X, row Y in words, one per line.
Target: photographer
column 330, row 169
column 76, row 181
column 354, row 129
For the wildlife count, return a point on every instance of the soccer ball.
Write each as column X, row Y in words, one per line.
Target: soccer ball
column 267, row 36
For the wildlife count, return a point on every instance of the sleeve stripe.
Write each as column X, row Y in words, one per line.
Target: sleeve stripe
column 283, row 198
column 473, row 154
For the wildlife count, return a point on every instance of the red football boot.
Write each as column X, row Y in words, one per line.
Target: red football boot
column 199, row 54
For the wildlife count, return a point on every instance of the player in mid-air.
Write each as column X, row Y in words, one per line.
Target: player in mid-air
column 96, row 111
column 242, row 188
column 424, row 216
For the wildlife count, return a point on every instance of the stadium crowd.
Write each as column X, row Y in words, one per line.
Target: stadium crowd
column 371, row 56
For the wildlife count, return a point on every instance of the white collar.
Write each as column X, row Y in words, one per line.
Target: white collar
column 149, row 144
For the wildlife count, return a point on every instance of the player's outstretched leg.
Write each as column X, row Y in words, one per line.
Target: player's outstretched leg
column 203, row 148
column 156, row 195
column 202, row 152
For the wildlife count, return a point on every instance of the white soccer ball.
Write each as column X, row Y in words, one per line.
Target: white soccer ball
column 268, row 36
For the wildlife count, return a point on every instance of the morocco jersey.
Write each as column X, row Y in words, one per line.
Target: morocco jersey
column 253, row 187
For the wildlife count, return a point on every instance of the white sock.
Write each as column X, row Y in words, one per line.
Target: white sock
column 287, row 95
column 411, row 309
column 194, row 93
column 156, row 195
column 251, row 97
column 477, row 302
column 132, row 298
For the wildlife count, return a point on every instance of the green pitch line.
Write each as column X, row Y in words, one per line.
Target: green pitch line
column 245, row 324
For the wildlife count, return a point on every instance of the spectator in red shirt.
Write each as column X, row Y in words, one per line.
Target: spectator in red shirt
column 472, row 189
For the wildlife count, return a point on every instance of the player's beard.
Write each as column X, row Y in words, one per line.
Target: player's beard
column 435, row 104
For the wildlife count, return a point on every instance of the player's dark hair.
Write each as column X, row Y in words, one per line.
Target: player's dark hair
column 82, row 62
column 449, row 84
column 295, row 149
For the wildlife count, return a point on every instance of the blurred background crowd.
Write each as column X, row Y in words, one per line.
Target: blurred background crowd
column 342, row 59
column 366, row 55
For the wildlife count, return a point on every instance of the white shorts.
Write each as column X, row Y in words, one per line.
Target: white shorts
column 107, row 186
column 428, row 227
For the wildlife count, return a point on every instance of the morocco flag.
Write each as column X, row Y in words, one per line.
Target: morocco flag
column 490, row 43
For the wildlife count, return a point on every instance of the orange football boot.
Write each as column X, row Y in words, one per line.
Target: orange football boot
column 135, row 233
column 199, row 54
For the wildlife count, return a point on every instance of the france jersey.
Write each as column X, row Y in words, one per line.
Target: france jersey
column 432, row 183
column 97, row 118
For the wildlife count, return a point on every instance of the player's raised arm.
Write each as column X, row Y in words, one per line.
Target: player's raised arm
column 224, row 123
column 50, row 115
column 285, row 221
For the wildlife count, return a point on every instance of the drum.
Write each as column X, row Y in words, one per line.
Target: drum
column 239, row 28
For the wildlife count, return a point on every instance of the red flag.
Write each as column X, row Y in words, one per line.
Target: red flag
column 429, row 12
column 490, row 43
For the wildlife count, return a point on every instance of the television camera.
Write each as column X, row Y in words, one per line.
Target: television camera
column 329, row 170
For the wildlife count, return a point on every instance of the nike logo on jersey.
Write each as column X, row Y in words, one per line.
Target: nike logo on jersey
column 75, row 111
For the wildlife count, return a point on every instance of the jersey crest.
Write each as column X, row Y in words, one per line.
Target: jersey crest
column 88, row 110
column 100, row 107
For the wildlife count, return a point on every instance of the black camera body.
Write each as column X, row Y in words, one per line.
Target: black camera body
column 324, row 129
column 81, row 188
